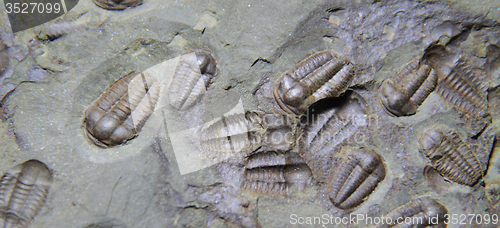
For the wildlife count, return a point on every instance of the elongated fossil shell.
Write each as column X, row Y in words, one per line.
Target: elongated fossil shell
column 120, row 113
column 276, row 175
column 355, row 178
column 23, row 191
column 402, row 94
column 117, row 4
column 450, row 156
column 191, row 78
column 339, row 123
column 422, row 212
column 462, row 88
column 233, row 134
column 322, row 75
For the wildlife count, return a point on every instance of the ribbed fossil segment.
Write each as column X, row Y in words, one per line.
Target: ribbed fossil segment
column 117, row 4
column 23, row 191
column 404, row 92
column 420, row 212
column 120, row 113
column 191, row 79
column 233, row 136
column 463, row 89
column 275, row 173
column 358, row 174
column 322, row 75
column 450, row 156
column 327, row 128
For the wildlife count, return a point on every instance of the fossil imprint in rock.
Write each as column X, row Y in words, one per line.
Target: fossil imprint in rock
column 23, row 191
column 120, row 113
column 402, row 94
column 463, row 89
column 239, row 135
column 420, row 210
column 192, row 76
column 355, row 178
column 324, row 74
column 450, row 156
column 275, row 173
column 335, row 123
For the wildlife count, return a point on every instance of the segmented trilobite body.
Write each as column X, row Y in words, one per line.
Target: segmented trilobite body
column 117, row 4
column 355, row 178
column 322, row 75
column 463, row 89
column 325, row 131
column 191, row 79
column 233, row 134
column 23, row 191
column 274, row 173
column 450, row 156
column 120, row 113
column 402, row 94
column 420, row 210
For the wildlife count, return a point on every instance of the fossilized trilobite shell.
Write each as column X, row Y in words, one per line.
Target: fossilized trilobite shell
column 463, row 89
column 274, row 173
column 402, row 94
column 233, row 134
column 117, row 4
column 191, row 78
column 339, row 122
column 450, row 156
column 420, row 210
column 120, row 113
column 355, row 178
column 322, row 75
column 23, row 191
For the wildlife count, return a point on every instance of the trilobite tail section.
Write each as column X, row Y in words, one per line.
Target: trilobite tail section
column 356, row 178
column 23, row 191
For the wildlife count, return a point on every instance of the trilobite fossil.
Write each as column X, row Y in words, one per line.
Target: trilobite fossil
column 117, row 4
column 274, row 173
column 402, row 94
column 324, row 74
column 463, row 89
column 355, row 178
column 120, row 113
column 450, row 156
column 280, row 131
column 233, row 134
column 23, row 191
column 332, row 124
column 191, row 79
column 423, row 211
